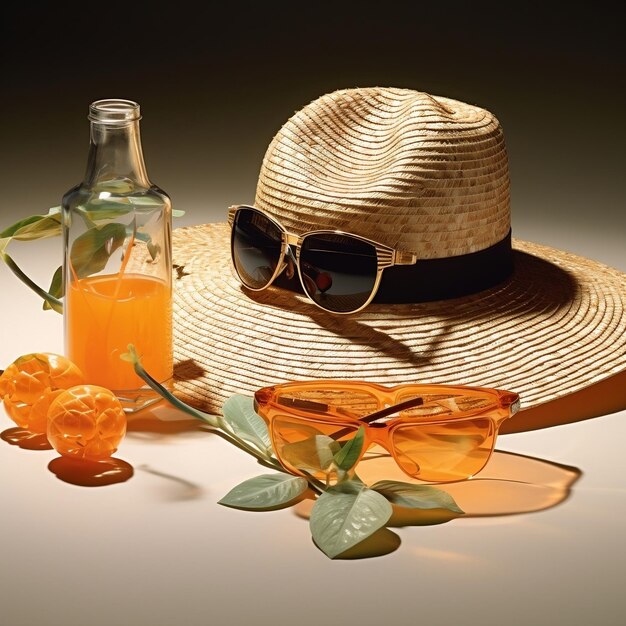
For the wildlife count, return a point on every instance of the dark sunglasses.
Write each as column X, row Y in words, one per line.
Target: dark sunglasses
column 339, row 272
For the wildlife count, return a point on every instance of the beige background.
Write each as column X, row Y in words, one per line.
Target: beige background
column 543, row 540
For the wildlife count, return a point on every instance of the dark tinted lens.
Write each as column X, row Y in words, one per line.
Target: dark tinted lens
column 256, row 248
column 338, row 271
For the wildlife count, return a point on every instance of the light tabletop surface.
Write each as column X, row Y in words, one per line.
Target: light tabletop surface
column 542, row 541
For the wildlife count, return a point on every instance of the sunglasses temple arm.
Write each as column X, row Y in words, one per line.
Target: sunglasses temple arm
column 372, row 417
column 390, row 410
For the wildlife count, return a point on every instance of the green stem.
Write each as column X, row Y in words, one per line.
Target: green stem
column 211, row 421
column 239, row 443
column 54, row 303
column 214, row 425
column 316, row 485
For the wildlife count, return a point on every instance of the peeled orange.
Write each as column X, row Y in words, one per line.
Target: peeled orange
column 30, row 384
column 86, row 422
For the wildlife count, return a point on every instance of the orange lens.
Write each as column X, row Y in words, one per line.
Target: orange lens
column 445, row 451
column 309, row 446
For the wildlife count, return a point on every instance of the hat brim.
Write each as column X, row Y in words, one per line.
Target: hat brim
column 556, row 326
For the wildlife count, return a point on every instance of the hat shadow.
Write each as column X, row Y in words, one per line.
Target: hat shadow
column 602, row 398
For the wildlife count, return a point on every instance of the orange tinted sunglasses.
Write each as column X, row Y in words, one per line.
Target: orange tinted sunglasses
column 435, row 433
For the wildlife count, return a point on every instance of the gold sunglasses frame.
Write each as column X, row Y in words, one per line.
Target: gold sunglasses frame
column 385, row 256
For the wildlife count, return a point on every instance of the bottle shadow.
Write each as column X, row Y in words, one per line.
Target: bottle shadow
column 160, row 421
column 511, row 484
column 91, row 473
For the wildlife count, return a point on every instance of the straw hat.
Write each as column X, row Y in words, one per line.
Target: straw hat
column 426, row 175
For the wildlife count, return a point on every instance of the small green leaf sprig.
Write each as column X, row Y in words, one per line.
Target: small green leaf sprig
column 29, row 229
column 90, row 251
column 345, row 512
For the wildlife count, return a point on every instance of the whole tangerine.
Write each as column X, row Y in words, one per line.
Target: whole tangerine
column 86, row 422
column 31, row 383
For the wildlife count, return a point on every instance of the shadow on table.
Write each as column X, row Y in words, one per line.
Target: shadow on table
column 74, row 471
column 511, row 484
column 25, row 439
column 157, row 422
column 161, row 421
column 91, row 473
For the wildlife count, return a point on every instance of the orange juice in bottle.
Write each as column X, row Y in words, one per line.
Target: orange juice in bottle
column 117, row 265
column 105, row 314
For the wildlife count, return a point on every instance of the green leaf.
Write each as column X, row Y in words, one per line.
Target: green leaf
column 153, row 249
column 105, row 211
column 416, row 496
column 242, row 420
column 4, row 242
column 313, row 454
column 91, row 251
column 266, row 491
column 345, row 515
column 325, row 450
column 350, row 451
column 119, row 186
column 55, row 303
column 34, row 227
column 113, row 207
column 9, row 231
column 149, row 202
column 56, row 287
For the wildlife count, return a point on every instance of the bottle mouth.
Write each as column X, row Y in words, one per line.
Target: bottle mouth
column 114, row 111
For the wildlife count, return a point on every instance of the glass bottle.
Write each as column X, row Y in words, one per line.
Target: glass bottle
column 117, row 268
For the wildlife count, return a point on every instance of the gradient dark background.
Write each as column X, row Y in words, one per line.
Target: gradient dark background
column 216, row 86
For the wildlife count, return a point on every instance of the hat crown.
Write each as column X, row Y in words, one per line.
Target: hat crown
column 420, row 173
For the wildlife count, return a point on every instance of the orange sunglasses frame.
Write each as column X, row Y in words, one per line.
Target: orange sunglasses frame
column 505, row 405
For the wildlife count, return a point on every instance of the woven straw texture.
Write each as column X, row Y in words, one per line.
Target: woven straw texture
column 426, row 174
column 557, row 325
column 422, row 174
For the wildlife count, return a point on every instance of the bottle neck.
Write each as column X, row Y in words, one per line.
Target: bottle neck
column 115, row 156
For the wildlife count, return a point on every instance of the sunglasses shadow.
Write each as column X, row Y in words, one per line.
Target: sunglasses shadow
column 350, row 327
column 536, row 286
column 511, row 484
